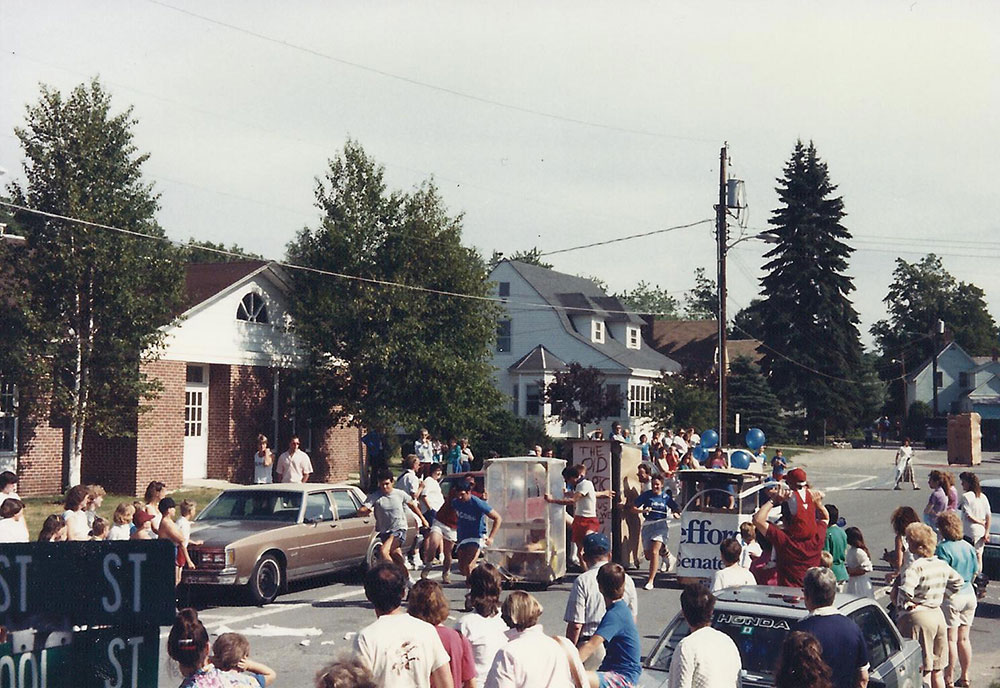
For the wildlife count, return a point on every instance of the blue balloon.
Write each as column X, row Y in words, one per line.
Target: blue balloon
column 700, row 453
column 709, row 439
column 740, row 459
column 755, row 439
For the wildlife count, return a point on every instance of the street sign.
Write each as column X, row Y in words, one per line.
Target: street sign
column 52, row 584
column 99, row 658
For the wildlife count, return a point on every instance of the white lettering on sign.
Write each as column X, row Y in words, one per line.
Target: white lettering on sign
column 115, row 602
column 594, row 455
column 26, row 659
column 21, row 561
column 112, row 607
column 114, row 647
column 7, row 668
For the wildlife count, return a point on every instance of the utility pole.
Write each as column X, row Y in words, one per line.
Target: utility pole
column 938, row 330
column 722, row 237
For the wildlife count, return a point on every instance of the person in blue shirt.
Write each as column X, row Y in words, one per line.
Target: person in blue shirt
column 959, row 609
column 616, row 632
column 656, row 505
column 472, row 513
column 645, row 446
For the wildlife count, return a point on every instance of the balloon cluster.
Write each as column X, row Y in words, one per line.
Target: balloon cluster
column 755, row 439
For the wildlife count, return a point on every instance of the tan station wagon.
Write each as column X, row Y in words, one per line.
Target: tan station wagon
column 263, row 536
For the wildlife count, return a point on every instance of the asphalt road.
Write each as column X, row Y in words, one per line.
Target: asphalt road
column 304, row 628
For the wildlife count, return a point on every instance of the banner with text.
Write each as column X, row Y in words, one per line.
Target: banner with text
column 701, row 534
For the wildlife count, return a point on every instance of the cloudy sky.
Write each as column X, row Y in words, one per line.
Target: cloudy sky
column 550, row 124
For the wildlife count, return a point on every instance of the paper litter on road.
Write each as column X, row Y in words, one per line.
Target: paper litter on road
column 268, row 631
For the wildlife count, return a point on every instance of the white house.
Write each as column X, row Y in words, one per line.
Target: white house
column 553, row 319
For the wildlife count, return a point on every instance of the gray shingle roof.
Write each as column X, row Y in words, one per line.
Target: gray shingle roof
column 560, row 289
column 538, row 359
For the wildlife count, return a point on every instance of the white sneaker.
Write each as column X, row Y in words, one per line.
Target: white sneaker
column 647, row 586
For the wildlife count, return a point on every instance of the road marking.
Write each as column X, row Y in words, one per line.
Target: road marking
column 278, row 609
column 850, row 485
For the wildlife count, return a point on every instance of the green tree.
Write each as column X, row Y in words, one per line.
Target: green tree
column 751, row 397
column 384, row 355
column 532, row 256
column 580, row 395
column 683, row 401
column 703, row 299
column 195, row 252
column 810, row 328
column 92, row 298
column 920, row 294
column 747, row 323
column 647, row 298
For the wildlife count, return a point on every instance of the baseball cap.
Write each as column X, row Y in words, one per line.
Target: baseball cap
column 142, row 516
column 596, row 543
column 796, row 475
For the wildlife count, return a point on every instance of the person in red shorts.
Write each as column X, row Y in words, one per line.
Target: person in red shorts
column 798, row 542
column 583, row 497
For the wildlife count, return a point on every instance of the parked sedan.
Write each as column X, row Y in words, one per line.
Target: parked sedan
column 757, row 618
column 264, row 536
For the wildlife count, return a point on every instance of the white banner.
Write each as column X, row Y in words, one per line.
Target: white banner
column 701, row 534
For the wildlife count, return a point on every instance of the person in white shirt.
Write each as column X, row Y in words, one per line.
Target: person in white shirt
column 584, row 497
column 431, row 500
column 410, row 483
column 532, row 659
column 263, row 462
column 586, row 607
column 484, row 627
column 12, row 525
column 904, row 467
column 976, row 513
column 734, row 575
column 294, row 465
column 121, row 528
column 750, row 548
column 706, row 657
column 423, row 447
column 400, row 650
column 8, row 485
column 75, row 515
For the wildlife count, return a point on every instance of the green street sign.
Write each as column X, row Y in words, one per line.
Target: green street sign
column 94, row 658
column 56, row 584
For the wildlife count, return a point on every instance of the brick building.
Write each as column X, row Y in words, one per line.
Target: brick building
column 226, row 368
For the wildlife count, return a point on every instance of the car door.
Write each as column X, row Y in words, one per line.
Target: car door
column 355, row 530
column 893, row 661
column 317, row 535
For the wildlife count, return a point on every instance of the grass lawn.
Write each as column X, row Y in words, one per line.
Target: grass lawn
column 36, row 509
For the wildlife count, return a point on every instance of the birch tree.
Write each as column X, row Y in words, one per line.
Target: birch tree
column 92, row 298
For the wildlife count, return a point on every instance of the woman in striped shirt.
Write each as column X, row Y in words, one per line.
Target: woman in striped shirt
column 923, row 585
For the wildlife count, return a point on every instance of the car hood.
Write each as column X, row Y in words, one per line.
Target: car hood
column 222, row 533
column 653, row 678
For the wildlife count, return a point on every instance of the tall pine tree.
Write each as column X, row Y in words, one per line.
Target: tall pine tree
column 810, row 328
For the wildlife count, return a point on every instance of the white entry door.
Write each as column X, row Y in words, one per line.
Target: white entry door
column 196, row 422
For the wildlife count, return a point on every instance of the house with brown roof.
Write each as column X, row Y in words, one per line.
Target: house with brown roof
column 226, row 369
column 695, row 344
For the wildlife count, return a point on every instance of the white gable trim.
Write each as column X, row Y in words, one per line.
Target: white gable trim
column 209, row 331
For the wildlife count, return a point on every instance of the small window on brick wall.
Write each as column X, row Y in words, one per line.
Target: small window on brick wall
column 8, row 416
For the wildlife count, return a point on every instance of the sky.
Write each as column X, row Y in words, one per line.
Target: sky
column 550, row 124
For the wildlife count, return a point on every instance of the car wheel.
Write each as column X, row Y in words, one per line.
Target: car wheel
column 265, row 581
column 374, row 556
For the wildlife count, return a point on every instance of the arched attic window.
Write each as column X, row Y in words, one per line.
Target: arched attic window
column 252, row 309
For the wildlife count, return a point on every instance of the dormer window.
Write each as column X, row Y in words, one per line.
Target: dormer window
column 632, row 338
column 597, row 331
column 252, row 309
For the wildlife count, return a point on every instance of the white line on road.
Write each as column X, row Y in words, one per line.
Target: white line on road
column 848, row 486
column 276, row 609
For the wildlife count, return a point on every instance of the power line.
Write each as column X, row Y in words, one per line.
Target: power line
column 627, row 238
column 319, row 271
column 425, row 84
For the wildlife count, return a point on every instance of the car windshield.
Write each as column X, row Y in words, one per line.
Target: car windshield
column 758, row 638
column 251, row 505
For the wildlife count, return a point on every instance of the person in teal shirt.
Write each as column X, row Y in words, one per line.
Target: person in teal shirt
column 836, row 545
column 959, row 609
